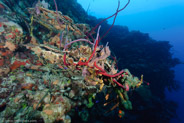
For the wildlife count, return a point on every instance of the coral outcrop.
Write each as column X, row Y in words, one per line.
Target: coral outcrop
column 56, row 68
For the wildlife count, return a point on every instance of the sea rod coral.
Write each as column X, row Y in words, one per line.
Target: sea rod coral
column 56, row 69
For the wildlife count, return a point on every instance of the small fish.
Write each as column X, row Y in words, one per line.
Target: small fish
column 120, row 113
column 107, row 97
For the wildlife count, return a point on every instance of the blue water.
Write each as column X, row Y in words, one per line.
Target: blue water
column 178, row 96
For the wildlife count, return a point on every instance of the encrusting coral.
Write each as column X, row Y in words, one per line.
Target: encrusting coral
column 60, row 68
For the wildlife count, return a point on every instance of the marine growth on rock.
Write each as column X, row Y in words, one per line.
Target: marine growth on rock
column 49, row 72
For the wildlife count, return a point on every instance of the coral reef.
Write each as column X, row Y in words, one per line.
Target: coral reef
column 139, row 53
column 55, row 69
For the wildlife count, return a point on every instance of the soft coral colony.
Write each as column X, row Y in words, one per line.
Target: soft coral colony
column 57, row 68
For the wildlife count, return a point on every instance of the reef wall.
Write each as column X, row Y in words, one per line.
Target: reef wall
column 52, row 70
